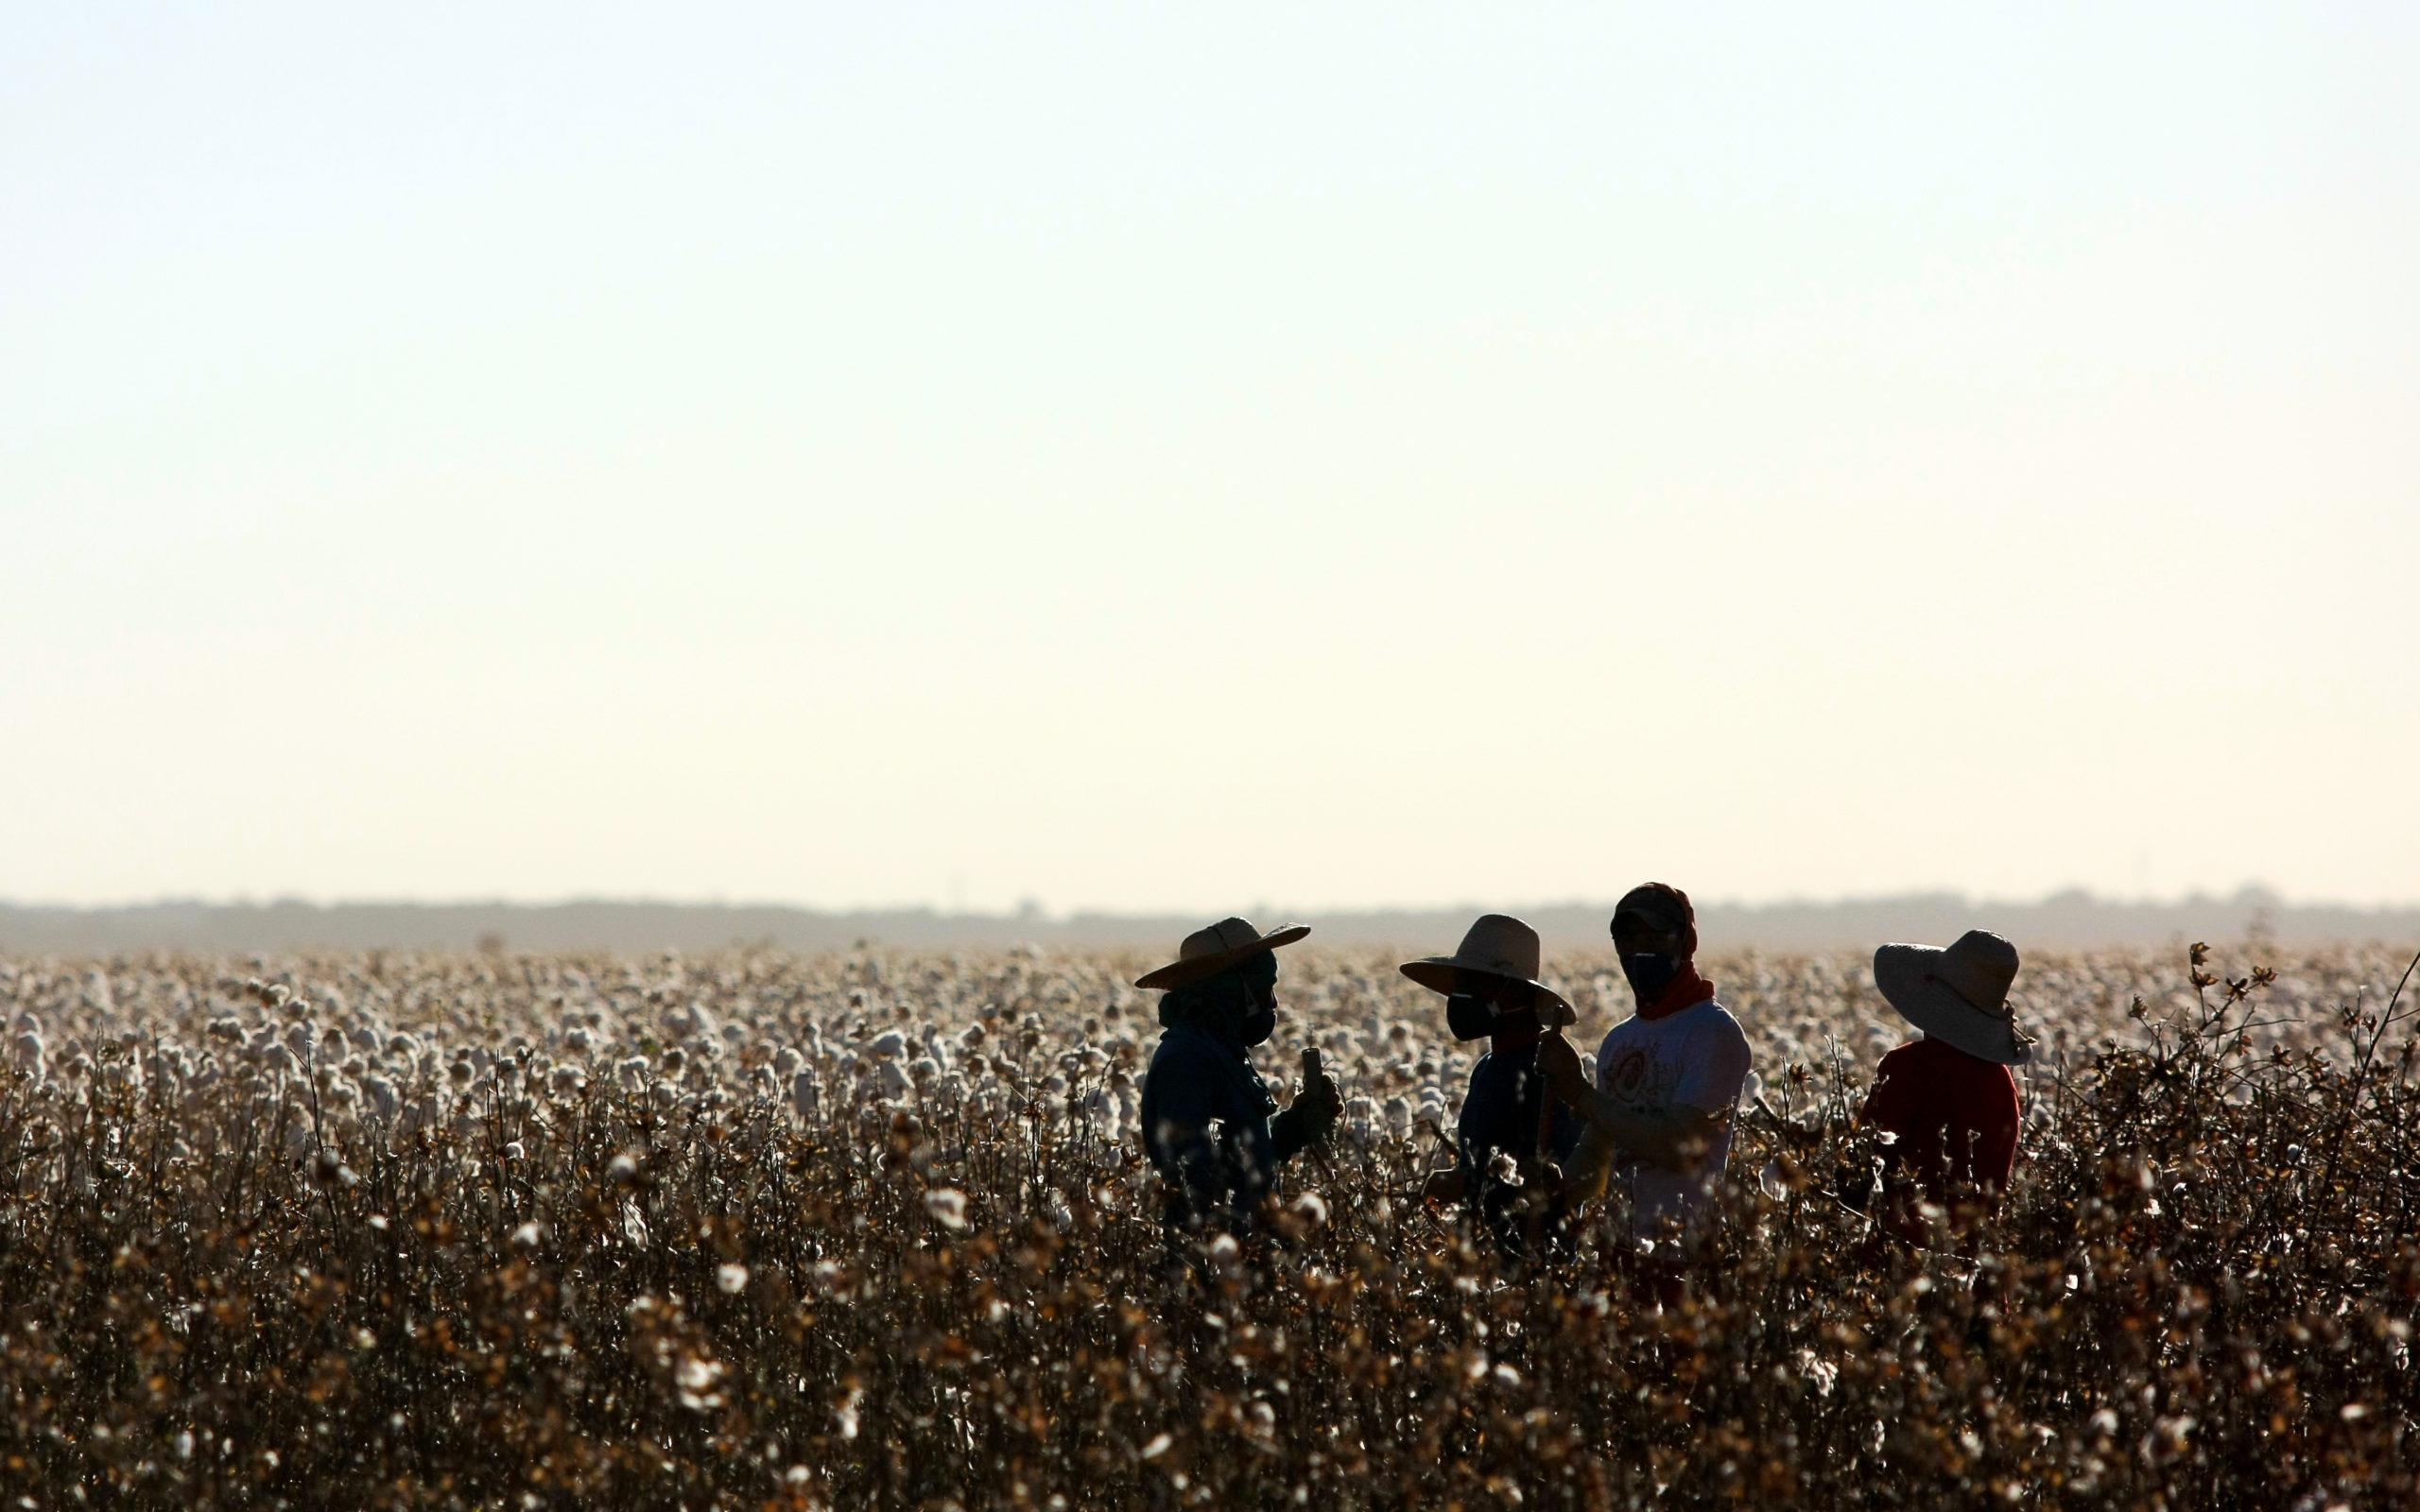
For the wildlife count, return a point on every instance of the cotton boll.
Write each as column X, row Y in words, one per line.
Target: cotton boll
column 891, row 1045
column 382, row 1097
column 787, row 1064
column 894, row 1080
column 946, row 1206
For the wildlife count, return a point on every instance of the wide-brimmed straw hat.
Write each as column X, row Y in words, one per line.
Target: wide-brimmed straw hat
column 1959, row 994
column 1499, row 947
column 1207, row 952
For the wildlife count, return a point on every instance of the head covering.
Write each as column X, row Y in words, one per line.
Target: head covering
column 1663, row 905
column 1959, row 995
column 1208, row 952
column 1498, row 948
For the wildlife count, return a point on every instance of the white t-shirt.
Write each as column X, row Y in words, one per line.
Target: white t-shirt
column 1698, row 1057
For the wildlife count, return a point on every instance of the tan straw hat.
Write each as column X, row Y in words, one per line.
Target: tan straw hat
column 1207, row 952
column 1959, row 995
column 1499, row 946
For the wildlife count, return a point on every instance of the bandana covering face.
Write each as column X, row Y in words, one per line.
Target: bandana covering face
column 1687, row 990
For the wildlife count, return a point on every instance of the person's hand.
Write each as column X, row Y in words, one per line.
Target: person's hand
column 1321, row 1103
column 1559, row 1065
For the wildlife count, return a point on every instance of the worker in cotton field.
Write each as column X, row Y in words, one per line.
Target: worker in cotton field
column 1667, row 1077
column 1948, row 1097
column 1205, row 1112
column 1513, row 1136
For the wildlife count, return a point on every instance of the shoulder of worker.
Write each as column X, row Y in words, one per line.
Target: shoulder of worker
column 1184, row 1049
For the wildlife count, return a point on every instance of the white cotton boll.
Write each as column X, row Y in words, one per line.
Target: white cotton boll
column 1311, row 1209
column 894, row 1080
column 731, row 1279
column 631, row 1072
column 807, row 1095
column 1771, row 1179
column 787, row 1064
column 1751, row 1089
column 891, row 1045
column 381, row 1092
column 279, row 1061
column 922, row 1070
column 946, row 1206
column 1101, row 1110
column 569, row 1079
column 577, row 1040
column 1399, row 1117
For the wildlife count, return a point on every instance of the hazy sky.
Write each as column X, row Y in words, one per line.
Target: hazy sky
column 1139, row 456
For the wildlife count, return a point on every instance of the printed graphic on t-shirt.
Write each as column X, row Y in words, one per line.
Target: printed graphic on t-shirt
column 1696, row 1059
column 1627, row 1079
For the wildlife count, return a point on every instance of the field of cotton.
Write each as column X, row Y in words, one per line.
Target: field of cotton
column 874, row 1230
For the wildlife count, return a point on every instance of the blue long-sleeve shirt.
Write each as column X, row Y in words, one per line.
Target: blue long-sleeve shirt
column 1195, row 1080
column 1501, row 1112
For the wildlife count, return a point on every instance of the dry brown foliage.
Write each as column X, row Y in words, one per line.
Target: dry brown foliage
column 547, row 1232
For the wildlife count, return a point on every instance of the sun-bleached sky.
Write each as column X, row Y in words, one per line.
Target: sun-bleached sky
column 1185, row 456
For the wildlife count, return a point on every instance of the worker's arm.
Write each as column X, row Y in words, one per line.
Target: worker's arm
column 1672, row 1139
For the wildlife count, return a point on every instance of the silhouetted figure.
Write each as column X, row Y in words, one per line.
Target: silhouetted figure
column 1513, row 1137
column 1206, row 1123
column 1667, row 1077
column 1949, row 1098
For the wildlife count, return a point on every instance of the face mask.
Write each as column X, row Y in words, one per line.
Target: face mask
column 1468, row 1017
column 1649, row 973
column 1259, row 1022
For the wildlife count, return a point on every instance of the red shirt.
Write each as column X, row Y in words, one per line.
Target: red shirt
column 1956, row 1116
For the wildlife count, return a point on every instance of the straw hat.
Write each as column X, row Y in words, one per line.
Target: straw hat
column 1500, row 947
column 1207, row 952
column 1959, row 994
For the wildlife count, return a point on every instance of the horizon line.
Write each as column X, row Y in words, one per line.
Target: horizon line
column 2254, row 894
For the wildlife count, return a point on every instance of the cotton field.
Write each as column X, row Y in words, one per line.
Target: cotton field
column 873, row 1229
